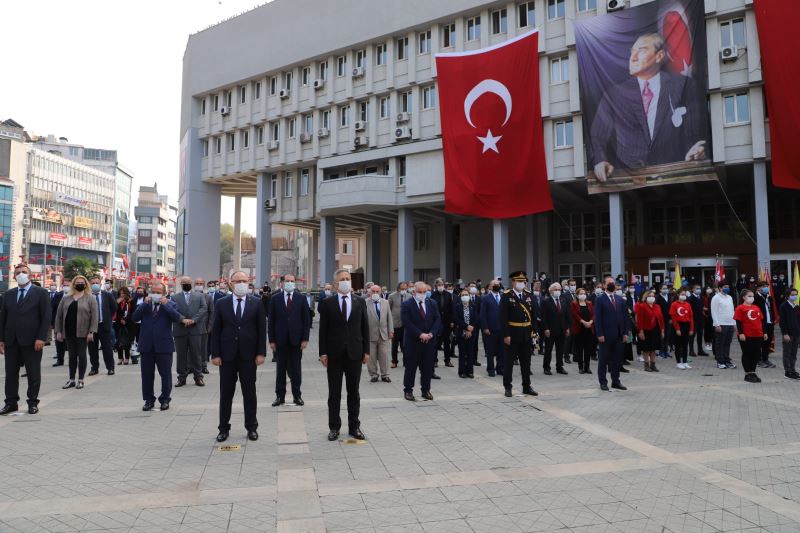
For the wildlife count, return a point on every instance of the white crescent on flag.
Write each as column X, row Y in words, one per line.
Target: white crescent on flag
column 488, row 86
column 750, row 317
column 681, row 311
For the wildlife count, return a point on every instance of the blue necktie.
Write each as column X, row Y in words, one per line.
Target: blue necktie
column 21, row 295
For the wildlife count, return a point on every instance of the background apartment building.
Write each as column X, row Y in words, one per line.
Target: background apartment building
column 155, row 234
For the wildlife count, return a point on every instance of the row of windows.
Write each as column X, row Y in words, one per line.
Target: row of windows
column 288, row 184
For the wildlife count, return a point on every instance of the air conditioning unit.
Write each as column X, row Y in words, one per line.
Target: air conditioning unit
column 305, row 137
column 360, row 140
column 729, row 53
column 319, row 84
column 271, row 203
column 403, row 117
column 361, row 125
column 323, row 132
column 273, row 145
column 358, row 72
column 402, row 132
column 283, row 94
column 613, row 5
column 224, row 110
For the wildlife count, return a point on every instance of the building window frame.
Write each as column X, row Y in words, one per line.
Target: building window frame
column 344, row 116
column 304, row 181
column 563, row 134
column 429, row 97
column 288, row 184
column 380, row 54
column 556, row 9
column 449, row 35
column 341, row 66
column 733, row 32
column 401, row 46
column 424, row 42
column 473, row 29
column 584, row 6
column 736, row 108
column 559, row 70
column 499, row 21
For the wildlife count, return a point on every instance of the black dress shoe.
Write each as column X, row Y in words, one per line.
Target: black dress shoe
column 386, row 379
column 199, row 381
column 448, row 363
column 299, row 401
column 8, row 409
column 567, row 360
column 604, row 388
column 434, row 376
column 357, row 434
column 164, row 406
column 33, row 409
column 409, row 396
column 624, row 370
column 702, row 354
column 373, row 379
column 223, row 436
column 181, row 382
column 111, row 372
column 333, row 435
column 491, row 374
column 471, row 376
column 508, row 393
column 205, row 370
column 252, row 435
column 58, row 364
column 427, row 395
column 587, row 371
column 561, row 371
column 462, row 376
column 148, row 406
column 278, row 401
column 530, row 392
column 477, row 363
column 619, row 386
column 547, row 372
column 93, row 372
column 274, row 360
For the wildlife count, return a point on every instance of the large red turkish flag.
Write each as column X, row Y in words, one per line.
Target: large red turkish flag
column 494, row 162
column 777, row 22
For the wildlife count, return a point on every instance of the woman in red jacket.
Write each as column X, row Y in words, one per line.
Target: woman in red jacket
column 749, row 320
column 683, row 321
column 582, row 331
column 650, row 324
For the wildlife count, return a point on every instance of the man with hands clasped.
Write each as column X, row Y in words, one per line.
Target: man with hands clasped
column 289, row 319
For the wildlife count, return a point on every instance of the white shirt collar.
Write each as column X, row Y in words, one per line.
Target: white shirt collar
column 654, row 83
column 235, row 300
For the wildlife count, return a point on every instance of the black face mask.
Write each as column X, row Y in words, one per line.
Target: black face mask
column 80, row 287
column 186, row 286
column 139, row 294
column 611, row 287
column 495, row 288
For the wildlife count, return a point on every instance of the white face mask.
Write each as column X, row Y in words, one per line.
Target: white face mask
column 240, row 289
column 199, row 288
column 537, row 293
column 288, row 286
column 519, row 285
column 465, row 299
column 473, row 290
column 598, row 291
column 155, row 298
column 682, row 297
column 573, row 288
column 375, row 296
column 651, row 299
column 344, row 286
column 581, row 297
column 419, row 296
column 618, row 292
column 440, row 288
column 748, row 300
column 556, row 294
column 22, row 278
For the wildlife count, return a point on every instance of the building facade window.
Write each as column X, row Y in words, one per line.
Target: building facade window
column 402, row 48
column 429, row 97
column 344, row 116
column 587, row 5
column 424, row 42
column 448, row 35
column 243, row 94
column 473, row 29
column 287, row 185
column 205, row 148
column 563, row 133
column 322, row 70
column 230, row 142
column 228, row 99
column 245, row 139
column 732, row 33
column 292, row 129
column 275, row 131
column 273, row 85
column 363, row 111
column 347, row 247
column 304, row 177
column 576, row 233
column 341, row 66
column 287, row 81
column 555, row 9
column 527, row 14
column 737, row 109
column 326, row 119
column 380, row 54
column 384, row 107
column 260, row 135
column 499, row 19
column 308, row 123
column 305, row 76
column 361, row 58
column 202, row 111
column 273, row 187
column 401, row 170
column 257, row 90
column 559, row 70
column 215, row 99
column 405, row 102
column 217, row 145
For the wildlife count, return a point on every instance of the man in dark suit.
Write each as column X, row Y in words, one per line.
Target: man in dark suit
column 189, row 332
column 517, row 319
column 489, row 320
column 55, row 299
column 537, row 299
column 422, row 323
column 289, row 320
column 610, row 323
column 444, row 301
column 696, row 301
column 763, row 299
column 650, row 114
column 557, row 320
column 106, row 307
column 238, row 347
column 24, row 321
column 156, row 314
column 475, row 298
column 343, row 348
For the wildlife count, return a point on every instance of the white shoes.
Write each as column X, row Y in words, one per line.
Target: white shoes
column 641, row 359
column 686, row 366
column 682, row 366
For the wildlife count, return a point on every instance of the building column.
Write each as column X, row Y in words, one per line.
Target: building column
column 327, row 248
column 405, row 244
column 446, row 249
column 530, row 246
column 237, row 232
column 263, row 230
column 373, row 251
column 500, row 248
column 313, row 280
column 762, row 212
column 615, row 214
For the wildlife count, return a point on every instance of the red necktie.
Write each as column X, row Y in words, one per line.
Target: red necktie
column 289, row 303
column 613, row 303
column 647, row 97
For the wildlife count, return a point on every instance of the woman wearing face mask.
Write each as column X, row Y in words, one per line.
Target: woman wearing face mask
column 751, row 335
column 465, row 320
column 76, row 324
column 683, row 321
column 122, row 325
column 583, row 331
column 664, row 300
column 650, row 324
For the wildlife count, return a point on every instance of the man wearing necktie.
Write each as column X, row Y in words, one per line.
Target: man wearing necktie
column 556, row 316
column 189, row 333
column 24, row 321
column 396, row 300
column 422, row 323
column 489, row 319
column 381, row 331
column 106, row 308
column 612, row 328
column 289, row 326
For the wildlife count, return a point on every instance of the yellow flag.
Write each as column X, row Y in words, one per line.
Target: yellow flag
column 796, row 282
column 678, row 282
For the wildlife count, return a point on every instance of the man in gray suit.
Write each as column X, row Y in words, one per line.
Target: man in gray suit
column 381, row 332
column 24, row 322
column 189, row 332
column 199, row 286
column 396, row 300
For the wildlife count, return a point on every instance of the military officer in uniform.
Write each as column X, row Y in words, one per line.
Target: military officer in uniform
column 518, row 322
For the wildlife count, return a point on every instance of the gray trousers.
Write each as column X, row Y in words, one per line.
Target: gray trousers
column 722, row 344
column 189, row 351
column 379, row 357
column 790, row 353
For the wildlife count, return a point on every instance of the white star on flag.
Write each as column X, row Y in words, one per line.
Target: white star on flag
column 490, row 142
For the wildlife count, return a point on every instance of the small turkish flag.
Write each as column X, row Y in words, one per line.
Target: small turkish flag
column 490, row 107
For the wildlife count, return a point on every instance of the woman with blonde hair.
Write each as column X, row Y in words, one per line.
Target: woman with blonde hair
column 76, row 324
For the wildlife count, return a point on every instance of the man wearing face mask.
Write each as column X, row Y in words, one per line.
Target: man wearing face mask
column 422, row 322
column 106, row 307
column 55, row 299
column 189, row 333
column 611, row 327
column 537, row 299
column 343, row 349
column 722, row 310
column 489, row 320
column 517, row 321
column 396, row 300
column 444, row 301
column 766, row 304
column 238, row 348
column 381, row 331
column 138, row 299
column 664, row 301
column 475, row 298
column 156, row 315
column 696, row 301
column 24, row 321
column 567, row 297
column 557, row 319
column 288, row 330
column 790, row 328
column 199, row 287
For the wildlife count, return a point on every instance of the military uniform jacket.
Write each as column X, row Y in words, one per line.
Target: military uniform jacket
column 513, row 313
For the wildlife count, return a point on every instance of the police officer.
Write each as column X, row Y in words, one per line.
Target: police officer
column 518, row 320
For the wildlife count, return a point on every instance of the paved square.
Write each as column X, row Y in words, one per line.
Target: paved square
column 681, row 451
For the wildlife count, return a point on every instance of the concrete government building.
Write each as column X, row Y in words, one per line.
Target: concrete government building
column 327, row 113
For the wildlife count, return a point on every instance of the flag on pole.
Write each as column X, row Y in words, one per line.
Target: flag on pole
column 719, row 271
column 796, row 282
column 677, row 283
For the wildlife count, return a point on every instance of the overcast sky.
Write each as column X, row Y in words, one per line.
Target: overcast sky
column 107, row 74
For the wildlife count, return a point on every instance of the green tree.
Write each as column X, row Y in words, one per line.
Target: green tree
column 80, row 266
column 226, row 243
